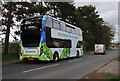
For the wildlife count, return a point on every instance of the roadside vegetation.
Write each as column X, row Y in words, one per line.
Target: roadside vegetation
column 88, row 51
column 118, row 58
column 114, row 77
column 13, row 52
column 9, row 57
column 109, row 49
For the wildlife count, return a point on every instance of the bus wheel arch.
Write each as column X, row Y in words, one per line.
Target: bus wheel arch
column 55, row 56
column 77, row 53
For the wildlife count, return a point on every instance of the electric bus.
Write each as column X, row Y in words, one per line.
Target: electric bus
column 47, row 38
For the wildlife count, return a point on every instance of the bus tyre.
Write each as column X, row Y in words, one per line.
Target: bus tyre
column 104, row 53
column 95, row 53
column 77, row 55
column 56, row 57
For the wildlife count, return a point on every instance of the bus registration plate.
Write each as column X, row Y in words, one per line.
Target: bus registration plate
column 30, row 58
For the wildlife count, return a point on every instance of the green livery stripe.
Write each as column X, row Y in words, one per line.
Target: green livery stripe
column 43, row 58
column 82, row 52
column 65, row 53
column 47, row 51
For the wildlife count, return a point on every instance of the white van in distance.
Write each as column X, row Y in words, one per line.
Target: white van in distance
column 99, row 49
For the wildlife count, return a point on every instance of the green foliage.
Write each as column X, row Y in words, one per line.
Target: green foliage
column 94, row 28
column 64, row 11
column 118, row 58
column 13, row 52
column 88, row 51
column 26, row 9
column 13, row 49
column 8, row 57
column 114, row 78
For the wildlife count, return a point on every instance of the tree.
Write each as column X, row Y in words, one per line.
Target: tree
column 108, row 34
column 90, row 22
column 64, row 11
column 26, row 9
column 8, row 22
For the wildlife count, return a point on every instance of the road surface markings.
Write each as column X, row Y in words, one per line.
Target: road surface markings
column 73, row 61
column 40, row 68
column 80, row 59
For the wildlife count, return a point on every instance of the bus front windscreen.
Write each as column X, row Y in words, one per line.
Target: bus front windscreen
column 31, row 32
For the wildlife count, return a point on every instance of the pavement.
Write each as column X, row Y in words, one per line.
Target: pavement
column 73, row 68
column 110, row 67
column 105, row 71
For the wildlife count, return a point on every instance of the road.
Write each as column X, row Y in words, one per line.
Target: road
column 73, row 68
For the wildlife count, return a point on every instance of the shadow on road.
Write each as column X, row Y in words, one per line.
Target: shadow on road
column 45, row 62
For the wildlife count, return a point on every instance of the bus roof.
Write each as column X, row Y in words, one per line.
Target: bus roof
column 46, row 16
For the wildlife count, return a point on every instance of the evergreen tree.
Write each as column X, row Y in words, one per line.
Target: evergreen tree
column 7, row 22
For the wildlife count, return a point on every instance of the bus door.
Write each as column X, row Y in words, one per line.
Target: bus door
column 73, row 48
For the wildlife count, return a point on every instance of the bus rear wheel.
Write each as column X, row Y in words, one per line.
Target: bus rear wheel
column 56, row 57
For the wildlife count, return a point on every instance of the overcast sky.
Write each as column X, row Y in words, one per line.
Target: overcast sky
column 107, row 10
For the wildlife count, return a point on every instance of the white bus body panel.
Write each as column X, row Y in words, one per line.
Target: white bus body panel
column 68, row 36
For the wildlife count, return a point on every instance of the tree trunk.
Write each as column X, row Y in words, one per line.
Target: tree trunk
column 6, row 40
column 8, row 30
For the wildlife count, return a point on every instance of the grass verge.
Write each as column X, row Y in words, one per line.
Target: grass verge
column 108, row 49
column 118, row 58
column 87, row 51
column 114, row 77
column 8, row 57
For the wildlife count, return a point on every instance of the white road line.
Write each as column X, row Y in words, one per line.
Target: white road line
column 80, row 59
column 73, row 60
column 40, row 68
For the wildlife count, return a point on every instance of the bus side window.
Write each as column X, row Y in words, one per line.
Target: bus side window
column 68, row 42
column 79, row 44
column 49, row 22
column 56, row 24
column 73, row 31
column 78, row 31
column 62, row 26
column 68, row 29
